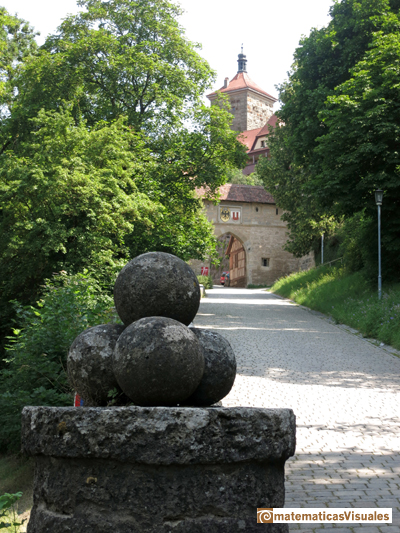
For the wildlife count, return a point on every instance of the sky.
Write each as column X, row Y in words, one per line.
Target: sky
column 269, row 30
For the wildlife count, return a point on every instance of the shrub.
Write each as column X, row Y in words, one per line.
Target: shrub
column 35, row 366
column 8, row 512
column 207, row 281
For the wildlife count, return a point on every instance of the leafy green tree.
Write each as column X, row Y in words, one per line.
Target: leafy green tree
column 68, row 200
column 306, row 220
column 131, row 58
column 361, row 147
column 339, row 139
column 123, row 57
column 236, row 176
column 17, row 42
column 82, row 187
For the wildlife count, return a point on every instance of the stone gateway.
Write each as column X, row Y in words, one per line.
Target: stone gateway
column 246, row 213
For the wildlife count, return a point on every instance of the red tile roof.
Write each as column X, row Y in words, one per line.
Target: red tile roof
column 271, row 122
column 243, row 81
column 242, row 193
column 248, row 137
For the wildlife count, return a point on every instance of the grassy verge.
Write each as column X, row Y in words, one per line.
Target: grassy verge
column 349, row 299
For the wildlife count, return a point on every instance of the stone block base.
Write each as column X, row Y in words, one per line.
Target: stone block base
column 161, row 470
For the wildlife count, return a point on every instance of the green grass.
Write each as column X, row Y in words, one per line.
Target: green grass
column 349, row 299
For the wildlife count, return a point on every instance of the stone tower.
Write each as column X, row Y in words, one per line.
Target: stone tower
column 251, row 106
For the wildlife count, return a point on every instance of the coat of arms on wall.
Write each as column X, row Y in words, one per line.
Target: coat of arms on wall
column 225, row 214
column 230, row 214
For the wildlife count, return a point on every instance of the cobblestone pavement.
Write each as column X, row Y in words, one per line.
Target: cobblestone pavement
column 345, row 393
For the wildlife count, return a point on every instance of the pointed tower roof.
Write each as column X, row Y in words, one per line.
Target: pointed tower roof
column 242, row 81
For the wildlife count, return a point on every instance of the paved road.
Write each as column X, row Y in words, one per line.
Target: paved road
column 344, row 391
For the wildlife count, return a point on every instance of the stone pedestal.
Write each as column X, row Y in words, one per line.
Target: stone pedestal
column 156, row 469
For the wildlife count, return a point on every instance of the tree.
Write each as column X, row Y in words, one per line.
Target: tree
column 236, row 176
column 122, row 57
column 106, row 141
column 361, row 147
column 68, row 200
column 334, row 149
column 285, row 179
column 17, row 43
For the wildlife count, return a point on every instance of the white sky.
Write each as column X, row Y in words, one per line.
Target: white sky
column 269, row 30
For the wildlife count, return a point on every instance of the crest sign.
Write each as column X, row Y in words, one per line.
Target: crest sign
column 230, row 214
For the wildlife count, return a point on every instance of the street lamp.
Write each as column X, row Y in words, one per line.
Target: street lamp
column 378, row 201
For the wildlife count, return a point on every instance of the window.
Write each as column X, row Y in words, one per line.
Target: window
column 265, row 262
column 256, row 209
column 277, row 211
column 262, row 144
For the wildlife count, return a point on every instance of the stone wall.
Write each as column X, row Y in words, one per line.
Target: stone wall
column 250, row 109
column 239, row 110
column 156, row 469
column 259, row 110
column 263, row 235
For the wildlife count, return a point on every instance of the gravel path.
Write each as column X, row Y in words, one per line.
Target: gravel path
column 344, row 391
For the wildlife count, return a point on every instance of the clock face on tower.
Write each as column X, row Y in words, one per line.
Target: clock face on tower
column 225, row 214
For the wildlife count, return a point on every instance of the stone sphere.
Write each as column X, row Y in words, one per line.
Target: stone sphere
column 219, row 371
column 157, row 284
column 90, row 363
column 158, row 361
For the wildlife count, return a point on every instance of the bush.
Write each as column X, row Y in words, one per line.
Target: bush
column 207, row 281
column 35, row 366
column 8, row 512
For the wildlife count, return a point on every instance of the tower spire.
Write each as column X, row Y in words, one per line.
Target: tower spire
column 242, row 62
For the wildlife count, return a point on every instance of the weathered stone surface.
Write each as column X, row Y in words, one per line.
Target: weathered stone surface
column 158, row 470
column 160, row 435
column 219, row 369
column 157, row 284
column 158, row 361
column 82, row 496
column 89, row 363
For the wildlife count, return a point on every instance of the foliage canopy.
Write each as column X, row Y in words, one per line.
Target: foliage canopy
column 103, row 145
column 339, row 137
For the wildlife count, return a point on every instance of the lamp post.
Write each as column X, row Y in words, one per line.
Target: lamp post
column 322, row 249
column 378, row 201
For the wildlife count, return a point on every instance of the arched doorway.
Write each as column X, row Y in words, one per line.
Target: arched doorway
column 232, row 258
column 237, row 262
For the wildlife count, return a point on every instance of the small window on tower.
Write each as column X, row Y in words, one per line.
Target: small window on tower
column 262, row 144
column 277, row 211
column 265, row 262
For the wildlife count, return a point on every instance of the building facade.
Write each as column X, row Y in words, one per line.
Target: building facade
column 248, row 224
